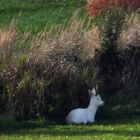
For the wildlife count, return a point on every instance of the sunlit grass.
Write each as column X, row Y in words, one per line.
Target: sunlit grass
column 35, row 15
column 103, row 130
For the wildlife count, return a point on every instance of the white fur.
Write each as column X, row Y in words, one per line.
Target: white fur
column 85, row 115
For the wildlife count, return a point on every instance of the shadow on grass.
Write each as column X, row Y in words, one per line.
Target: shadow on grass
column 23, row 129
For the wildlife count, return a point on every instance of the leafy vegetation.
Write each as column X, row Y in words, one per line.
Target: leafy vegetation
column 95, row 7
column 47, row 73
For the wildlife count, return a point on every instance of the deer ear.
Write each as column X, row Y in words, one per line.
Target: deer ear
column 89, row 92
column 93, row 92
column 96, row 87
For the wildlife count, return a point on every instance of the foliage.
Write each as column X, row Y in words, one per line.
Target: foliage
column 50, row 76
column 94, row 7
column 112, row 63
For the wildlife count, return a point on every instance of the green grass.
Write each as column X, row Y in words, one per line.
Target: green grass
column 35, row 15
column 103, row 130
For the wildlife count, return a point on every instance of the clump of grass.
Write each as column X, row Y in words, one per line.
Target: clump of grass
column 130, row 35
column 36, row 69
column 7, row 38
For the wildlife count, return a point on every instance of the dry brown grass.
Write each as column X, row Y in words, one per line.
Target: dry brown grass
column 55, row 64
column 45, row 43
column 7, row 38
column 66, row 40
column 130, row 36
column 42, row 63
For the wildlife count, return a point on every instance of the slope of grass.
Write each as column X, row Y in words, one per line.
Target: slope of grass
column 34, row 15
column 103, row 130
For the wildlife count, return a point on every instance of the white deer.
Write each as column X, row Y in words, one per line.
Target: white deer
column 85, row 115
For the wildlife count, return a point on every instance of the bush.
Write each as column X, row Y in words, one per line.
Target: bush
column 128, row 44
column 94, row 7
column 48, row 75
column 112, row 62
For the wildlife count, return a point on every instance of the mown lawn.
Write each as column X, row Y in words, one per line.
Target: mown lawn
column 35, row 15
column 101, row 130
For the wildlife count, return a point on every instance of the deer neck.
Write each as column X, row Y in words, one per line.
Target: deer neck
column 92, row 108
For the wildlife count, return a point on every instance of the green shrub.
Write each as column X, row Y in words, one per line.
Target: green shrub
column 110, row 63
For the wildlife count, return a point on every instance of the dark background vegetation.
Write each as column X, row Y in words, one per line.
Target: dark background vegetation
column 31, row 87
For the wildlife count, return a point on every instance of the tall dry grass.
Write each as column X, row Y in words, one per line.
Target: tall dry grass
column 50, row 72
column 130, row 36
column 40, row 73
